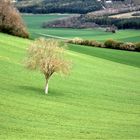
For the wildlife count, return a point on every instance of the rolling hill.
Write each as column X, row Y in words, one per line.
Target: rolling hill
column 72, row 6
column 58, row 6
column 98, row 100
column 35, row 29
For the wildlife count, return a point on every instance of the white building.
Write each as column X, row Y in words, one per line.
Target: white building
column 108, row 1
column 14, row 1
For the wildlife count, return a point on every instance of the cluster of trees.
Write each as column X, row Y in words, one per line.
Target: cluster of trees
column 84, row 21
column 136, row 14
column 72, row 22
column 107, row 44
column 11, row 21
column 60, row 6
column 130, row 23
column 71, row 6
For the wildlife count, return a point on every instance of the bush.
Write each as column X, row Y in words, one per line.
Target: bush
column 108, row 44
column 128, row 46
column 120, row 45
column 137, row 47
column 136, row 14
column 86, row 42
column 10, row 20
column 112, row 44
column 76, row 40
column 96, row 44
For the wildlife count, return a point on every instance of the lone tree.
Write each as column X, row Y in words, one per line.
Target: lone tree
column 48, row 57
column 10, row 20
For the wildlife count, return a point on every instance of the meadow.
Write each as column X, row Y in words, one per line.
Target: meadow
column 99, row 99
column 34, row 23
column 125, row 15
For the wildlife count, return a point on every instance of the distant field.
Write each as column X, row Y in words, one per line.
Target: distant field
column 34, row 23
column 125, row 15
column 95, row 34
column 100, row 99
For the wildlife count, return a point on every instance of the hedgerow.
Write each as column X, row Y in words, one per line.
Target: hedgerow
column 113, row 44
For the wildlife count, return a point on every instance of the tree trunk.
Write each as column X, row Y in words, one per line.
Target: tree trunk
column 47, row 83
column 46, row 87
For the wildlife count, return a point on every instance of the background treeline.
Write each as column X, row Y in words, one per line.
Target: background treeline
column 75, row 6
column 84, row 21
column 59, row 6
column 71, row 22
column 130, row 23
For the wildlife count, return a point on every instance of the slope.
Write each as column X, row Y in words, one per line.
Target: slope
column 58, row 6
column 35, row 28
column 98, row 100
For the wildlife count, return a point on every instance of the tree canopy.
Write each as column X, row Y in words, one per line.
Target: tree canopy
column 11, row 21
column 48, row 57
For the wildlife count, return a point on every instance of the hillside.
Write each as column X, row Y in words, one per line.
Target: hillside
column 98, row 100
column 72, row 6
column 58, row 6
column 35, row 30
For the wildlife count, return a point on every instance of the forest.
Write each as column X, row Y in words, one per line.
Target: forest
column 84, row 21
column 61, row 6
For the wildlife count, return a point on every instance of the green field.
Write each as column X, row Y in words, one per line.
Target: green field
column 34, row 22
column 99, row 99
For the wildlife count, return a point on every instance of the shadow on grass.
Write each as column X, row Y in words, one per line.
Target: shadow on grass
column 31, row 89
column 54, row 92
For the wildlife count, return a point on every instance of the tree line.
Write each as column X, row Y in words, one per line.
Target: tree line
column 113, row 44
column 61, row 6
column 127, row 23
column 84, row 21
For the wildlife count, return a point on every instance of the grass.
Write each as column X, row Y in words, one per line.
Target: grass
column 125, row 15
column 34, row 23
column 98, row 100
